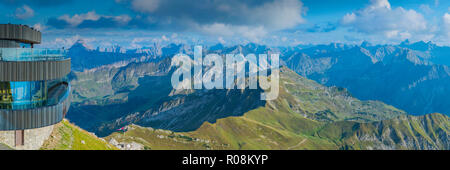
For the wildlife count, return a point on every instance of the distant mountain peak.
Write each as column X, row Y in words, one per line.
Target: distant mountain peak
column 218, row 46
column 80, row 44
column 406, row 42
column 366, row 44
column 419, row 45
column 252, row 45
column 337, row 45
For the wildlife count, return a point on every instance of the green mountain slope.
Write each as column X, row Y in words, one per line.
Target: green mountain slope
column 314, row 101
column 299, row 96
column 405, row 132
column 5, row 147
column 66, row 136
column 108, row 93
column 306, row 115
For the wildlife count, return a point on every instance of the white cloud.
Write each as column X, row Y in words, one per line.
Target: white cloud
column 446, row 25
column 79, row 18
column 278, row 15
column 67, row 42
column 348, row 18
column 426, row 8
column 135, row 43
column 376, row 4
column 24, row 12
column 121, row 19
column 380, row 18
column 174, row 35
column 231, row 17
column 252, row 33
column 221, row 40
column 39, row 27
column 218, row 29
column 164, row 38
column 145, row 5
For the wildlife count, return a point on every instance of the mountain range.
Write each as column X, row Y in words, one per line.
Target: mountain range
column 414, row 77
column 132, row 89
column 306, row 115
column 404, row 77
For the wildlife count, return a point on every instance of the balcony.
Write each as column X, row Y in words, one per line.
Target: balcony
column 32, row 54
column 28, row 64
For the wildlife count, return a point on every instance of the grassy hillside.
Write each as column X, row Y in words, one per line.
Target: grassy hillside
column 298, row 96
column 306, row 115
column 5, row 147
column 318, row 102
column 66, row 136
column 405, row 132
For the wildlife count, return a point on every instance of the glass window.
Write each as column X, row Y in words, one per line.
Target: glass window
column 26, row 95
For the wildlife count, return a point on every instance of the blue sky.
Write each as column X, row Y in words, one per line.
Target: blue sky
column 140, row 23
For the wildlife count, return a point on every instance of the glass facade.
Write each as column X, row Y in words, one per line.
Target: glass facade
column 28, row 95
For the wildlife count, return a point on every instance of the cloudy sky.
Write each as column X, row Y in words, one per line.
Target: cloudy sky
column 138, row 23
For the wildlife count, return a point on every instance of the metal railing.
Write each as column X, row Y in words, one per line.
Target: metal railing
column 32, row 54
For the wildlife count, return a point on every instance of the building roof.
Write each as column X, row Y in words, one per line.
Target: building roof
column 21, row 33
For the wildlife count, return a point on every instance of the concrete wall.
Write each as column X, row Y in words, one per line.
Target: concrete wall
column 34, row 138
column 7, row 137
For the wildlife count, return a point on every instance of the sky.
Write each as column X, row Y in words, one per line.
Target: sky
column 140, row 23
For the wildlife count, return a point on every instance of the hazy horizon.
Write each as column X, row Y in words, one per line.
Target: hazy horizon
column 138, row 23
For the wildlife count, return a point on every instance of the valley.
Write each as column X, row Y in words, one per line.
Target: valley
column 307, row 114
column 282, row 125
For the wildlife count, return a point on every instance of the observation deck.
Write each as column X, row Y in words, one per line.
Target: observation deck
column 34, row 88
